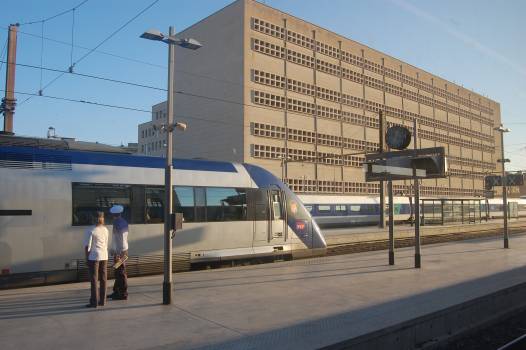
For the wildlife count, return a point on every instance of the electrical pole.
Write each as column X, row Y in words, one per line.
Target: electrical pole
column 9, row 101
column 503, row 160
column 381, row 139
column 417, row 201
column 391, row 221
column 167, row 282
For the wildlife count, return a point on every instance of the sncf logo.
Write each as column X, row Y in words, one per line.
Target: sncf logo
column 300, row 225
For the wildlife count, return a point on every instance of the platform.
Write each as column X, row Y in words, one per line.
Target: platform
column 336, row 301
column 357, row 234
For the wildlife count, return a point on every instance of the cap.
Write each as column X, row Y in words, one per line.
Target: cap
column 116, row 209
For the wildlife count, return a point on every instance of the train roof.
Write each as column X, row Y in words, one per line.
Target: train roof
column 19, row 150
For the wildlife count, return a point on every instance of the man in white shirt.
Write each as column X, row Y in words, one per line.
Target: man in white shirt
column 96, row 249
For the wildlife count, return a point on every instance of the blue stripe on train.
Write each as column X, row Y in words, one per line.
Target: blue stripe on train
column 32, row 154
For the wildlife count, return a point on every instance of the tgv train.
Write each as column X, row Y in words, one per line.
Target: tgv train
column 330, row 211
column 49, row 194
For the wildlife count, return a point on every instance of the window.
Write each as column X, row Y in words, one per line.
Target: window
column 88, row 199
column 154, row 205
column 355, row 208
column 308, row 207
column 341, row 209
column 276, row 206
column 324, row 208
column 226, row 204
column 184, row 203
column 200, row 204
column 258, row 204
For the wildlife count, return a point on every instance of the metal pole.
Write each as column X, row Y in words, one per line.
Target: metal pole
column 167, row 283
column 442, row 210
column 391, row 221
column 417, row 203
column 9, row 101
column 504, row 191
column 381, row 138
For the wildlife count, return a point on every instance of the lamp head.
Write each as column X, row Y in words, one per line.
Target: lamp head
column 153, row 34
column 181, row 126
column 189, row 43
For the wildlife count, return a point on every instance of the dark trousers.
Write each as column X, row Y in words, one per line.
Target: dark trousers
column 120, row 287
column 97, row 271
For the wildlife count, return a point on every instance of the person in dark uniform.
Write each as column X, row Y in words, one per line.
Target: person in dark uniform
column 120, row 252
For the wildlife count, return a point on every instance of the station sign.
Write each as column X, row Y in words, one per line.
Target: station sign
column 491, row 181
column 424, row 163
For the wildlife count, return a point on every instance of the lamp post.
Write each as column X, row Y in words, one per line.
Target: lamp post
column 503, row 160
column 192, row 44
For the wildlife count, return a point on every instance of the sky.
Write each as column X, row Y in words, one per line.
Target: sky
column 478, row 44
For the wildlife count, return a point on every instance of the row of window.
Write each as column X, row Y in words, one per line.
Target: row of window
column 149, row 132
column 159, row 115
column 335, row 52
column 308, row 108
column 276, row 152
column 275, row 80
column 302, row 185
column 329, row 68
column 471, row 162
column 151, row 147
column 145, row 204
column 305, row 136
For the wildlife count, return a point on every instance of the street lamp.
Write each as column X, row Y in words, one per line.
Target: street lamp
column 192, row 44
column 503, row 160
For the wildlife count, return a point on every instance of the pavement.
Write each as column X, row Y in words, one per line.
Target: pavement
column 302, row 304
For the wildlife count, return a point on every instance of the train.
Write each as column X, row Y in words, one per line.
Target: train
column 340, row 211
column 50, row 191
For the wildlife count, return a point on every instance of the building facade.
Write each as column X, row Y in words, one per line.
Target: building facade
column 151, row 140
column 271, row 89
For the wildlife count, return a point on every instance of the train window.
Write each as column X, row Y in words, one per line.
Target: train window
column 88, row 199
column 341, row 209
column 276, row 206
column 324, row 208
column 137, row 205
column 258, row 204
column 154, row 198
column 308, row 207
column 184, row 203
column 355, row 208
column 200, row 204
column 226, row 204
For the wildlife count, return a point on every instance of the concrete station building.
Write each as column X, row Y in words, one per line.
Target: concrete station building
column 268, row 86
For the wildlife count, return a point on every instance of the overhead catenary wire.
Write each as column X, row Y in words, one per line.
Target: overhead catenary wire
column 70, row 69
column 80, row 101
column 96, row 51
column 130, row 59
column 83, row 101
column 72, row 37
column 54, row 16
column 2, row 55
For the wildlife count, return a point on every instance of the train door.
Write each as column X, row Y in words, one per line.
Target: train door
column 265, row 210
column 278, row 224
column 258, row 212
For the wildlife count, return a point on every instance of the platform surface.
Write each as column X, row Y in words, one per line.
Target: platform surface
column 303, row 304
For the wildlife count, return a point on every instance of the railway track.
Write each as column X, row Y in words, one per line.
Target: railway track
column 363, row 246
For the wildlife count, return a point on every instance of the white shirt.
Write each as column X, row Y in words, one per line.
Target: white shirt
column 97, row 242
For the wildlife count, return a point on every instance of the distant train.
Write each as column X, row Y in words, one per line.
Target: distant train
column 50, row 192
column 336, row 210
